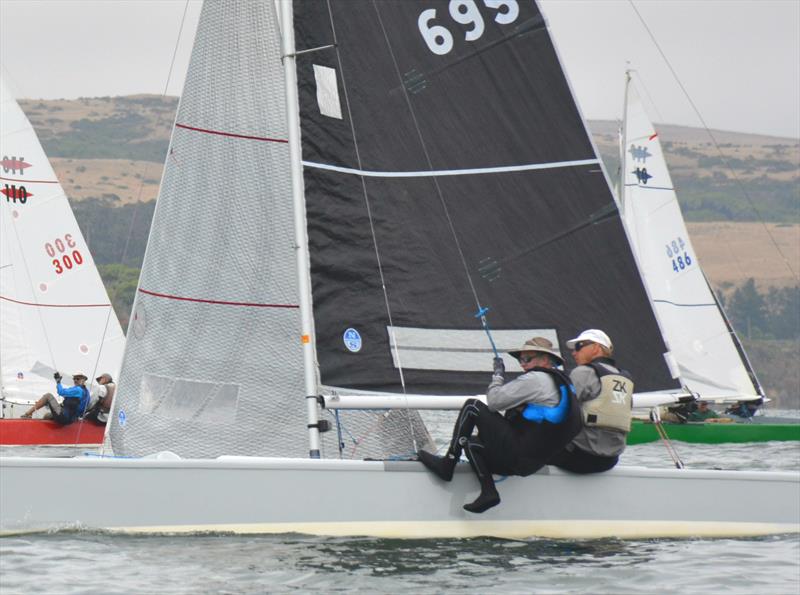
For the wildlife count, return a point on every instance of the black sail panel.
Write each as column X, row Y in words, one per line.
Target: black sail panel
column 449, row 180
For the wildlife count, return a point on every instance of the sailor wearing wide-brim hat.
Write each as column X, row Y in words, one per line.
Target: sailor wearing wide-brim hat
column 537, row 345
column 541, row 418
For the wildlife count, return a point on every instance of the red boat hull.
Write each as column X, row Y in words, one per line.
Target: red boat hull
column 43, row 432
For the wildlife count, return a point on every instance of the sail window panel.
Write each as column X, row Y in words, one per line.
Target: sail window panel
column 177, row 398
column 327, row 92
column 457, row 350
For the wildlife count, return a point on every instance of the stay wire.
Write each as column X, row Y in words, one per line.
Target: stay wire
column 371, row 224
column 158, row 122
column 439, row 193
column 716, row 145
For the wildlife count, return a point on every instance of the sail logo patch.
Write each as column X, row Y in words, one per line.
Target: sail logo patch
column 639, row 153
column 14, row 164
column 352, row 340
column 14, row 193
column 641, row 175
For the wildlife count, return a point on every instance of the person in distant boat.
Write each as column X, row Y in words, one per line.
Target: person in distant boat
column 102, row 396
column 605, row 393
column 703, row 413
column 745, row 409
column 541, row 417
column 75, row 399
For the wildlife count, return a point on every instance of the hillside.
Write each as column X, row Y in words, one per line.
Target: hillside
column 742, row 207
column 118, row 138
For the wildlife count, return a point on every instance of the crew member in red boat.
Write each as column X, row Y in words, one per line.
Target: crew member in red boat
column 75, row 399
column 102, row 396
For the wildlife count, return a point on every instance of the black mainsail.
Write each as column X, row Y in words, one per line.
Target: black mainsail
column 456, row 142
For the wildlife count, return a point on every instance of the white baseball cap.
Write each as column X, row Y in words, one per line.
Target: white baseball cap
column 592, row 335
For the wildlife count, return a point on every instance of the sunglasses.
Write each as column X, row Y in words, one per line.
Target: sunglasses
column 524, row 359
column 580, row 345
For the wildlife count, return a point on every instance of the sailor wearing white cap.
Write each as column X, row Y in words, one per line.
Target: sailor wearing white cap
column 605, row 394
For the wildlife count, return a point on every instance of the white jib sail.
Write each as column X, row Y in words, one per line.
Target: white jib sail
column 693, row 325
column 54, row 310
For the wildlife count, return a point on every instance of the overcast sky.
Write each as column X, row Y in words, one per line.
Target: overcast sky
column 739, row 60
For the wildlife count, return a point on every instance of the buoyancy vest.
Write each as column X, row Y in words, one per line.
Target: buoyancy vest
column 554, row 414
column 105, row 402
column 83, row 401
column 612, row 407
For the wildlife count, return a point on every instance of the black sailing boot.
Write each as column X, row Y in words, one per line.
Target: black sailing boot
column 443, row 467
column 488, row 496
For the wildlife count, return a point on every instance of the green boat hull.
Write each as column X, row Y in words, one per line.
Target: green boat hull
column 715, row 433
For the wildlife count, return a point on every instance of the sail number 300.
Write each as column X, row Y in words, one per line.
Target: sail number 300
column 464, row 12
column 64, row 253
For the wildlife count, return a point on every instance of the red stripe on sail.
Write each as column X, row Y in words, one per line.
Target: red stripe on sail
column 232, row 135
column 29, row 181
column 217, row 302
column 655, row 134
column 8, row 299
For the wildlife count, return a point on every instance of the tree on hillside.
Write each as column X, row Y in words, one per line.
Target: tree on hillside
column 783, row 309
column 748, row 310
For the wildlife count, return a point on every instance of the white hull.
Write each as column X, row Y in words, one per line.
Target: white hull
column 385, row 499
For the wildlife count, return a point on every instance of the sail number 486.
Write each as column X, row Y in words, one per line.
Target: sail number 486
column 64, row 253
column 677, row 253
column 463, row 12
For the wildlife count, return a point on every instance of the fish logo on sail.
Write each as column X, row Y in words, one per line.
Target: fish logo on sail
column 639, row 153
column 15, row 165
column 641, row 175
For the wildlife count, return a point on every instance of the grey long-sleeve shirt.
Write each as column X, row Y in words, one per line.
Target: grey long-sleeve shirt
column 600, row 441
column 532, row 387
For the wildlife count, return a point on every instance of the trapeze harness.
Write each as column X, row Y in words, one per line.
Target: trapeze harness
column 611, row 409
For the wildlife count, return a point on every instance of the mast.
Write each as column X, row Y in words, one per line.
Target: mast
column 286, row 20
column 622, row 141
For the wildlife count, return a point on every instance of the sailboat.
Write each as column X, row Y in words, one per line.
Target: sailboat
column 55, row 314
column 710, row 360
column 347, row 188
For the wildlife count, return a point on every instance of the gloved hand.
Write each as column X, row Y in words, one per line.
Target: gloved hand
column 57, row 377
column 499, row 366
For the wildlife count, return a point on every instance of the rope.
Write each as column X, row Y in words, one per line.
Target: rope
column 158, row 122
column 372, row 227
column 656, row 419
column 716, row 145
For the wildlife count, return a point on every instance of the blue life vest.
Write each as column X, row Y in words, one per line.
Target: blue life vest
column 554, row 414
column 83, row 401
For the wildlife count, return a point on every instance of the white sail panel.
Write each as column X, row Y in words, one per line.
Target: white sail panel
column 54, row 310
column 694, row 328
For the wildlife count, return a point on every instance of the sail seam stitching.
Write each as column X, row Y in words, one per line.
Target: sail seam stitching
column 29, row 181
column 8, row 299
column 217, row 302
column 231, row 134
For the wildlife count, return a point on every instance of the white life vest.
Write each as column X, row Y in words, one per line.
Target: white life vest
column 612, row 407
